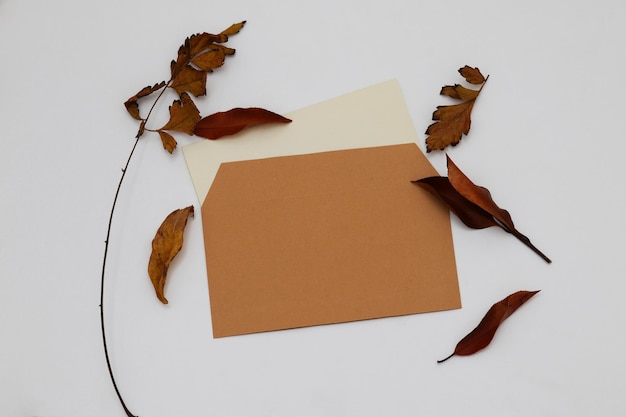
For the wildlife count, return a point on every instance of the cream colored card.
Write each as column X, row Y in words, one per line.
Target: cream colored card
column 323, row 237
column 373, row 116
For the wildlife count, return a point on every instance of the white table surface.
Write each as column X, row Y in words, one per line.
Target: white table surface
column 547, row 139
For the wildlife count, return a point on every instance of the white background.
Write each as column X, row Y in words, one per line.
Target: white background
column 547, row 140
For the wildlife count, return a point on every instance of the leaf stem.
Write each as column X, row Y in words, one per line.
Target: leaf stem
column 155, row 101
column 445, row 359
column 104, row 262
column 527, row 242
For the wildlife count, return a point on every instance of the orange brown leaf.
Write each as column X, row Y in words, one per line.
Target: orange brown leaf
column 196, row 44
column 169, row 143
column 183, row 115
column 481, row 336
column 232, row 121
column 190, row 79
column 454, row 121
column 166, row 244
column 233, row 29
column 473, row 204
column 209, row 60
column 472, row 75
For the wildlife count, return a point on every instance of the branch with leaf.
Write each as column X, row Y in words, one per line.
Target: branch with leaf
column 197, row 57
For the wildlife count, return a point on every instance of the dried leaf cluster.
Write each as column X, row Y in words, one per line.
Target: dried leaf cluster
column 197, row 57
column 471, row 203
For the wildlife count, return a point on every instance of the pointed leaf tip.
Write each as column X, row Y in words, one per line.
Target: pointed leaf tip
column 233, row 29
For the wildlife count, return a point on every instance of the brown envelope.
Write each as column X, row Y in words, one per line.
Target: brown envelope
column 325, row 238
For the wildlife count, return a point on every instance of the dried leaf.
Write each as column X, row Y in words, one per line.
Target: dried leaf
column 481, row 336
column 183, row 115
column 165, row 246
column 191, row 80
column 476, row 194
column 205, row 52
column 200, row 42
column 141, row 130
column 169, row 143
column 232, row 121
column 131, row 104
column 454, row 121
column 225, row 49
column 472, row 204
column 472, row 75
column 459, row 92
column 209, row 60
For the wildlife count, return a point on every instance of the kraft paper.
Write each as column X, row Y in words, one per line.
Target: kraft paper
column 324, row 237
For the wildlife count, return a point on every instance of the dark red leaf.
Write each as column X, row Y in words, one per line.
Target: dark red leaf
column 469, row 213
column 477, row 195
column 481, row 336
column 232, row 121
column 472, row 204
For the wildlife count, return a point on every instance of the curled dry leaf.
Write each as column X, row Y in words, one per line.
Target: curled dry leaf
column 472, row 204
column 481, row 336
column 165, row 246
column 454, row 121
column 232, row 121
column 131, row 104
